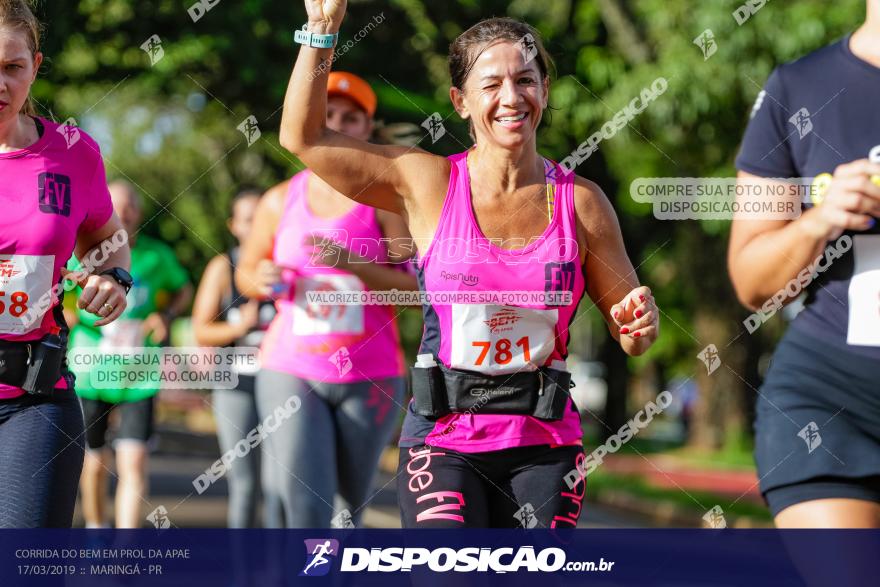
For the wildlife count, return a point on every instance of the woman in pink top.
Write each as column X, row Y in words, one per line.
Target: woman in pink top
column 55, row 202
column 340, row 366
column 491, row 438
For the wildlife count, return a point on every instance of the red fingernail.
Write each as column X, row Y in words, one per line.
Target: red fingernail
column 616, row 314
column 642, row 298
column 624, row 330
column 637, row 334
column 638, row 313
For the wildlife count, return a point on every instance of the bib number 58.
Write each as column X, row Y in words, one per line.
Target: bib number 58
column 18, row 303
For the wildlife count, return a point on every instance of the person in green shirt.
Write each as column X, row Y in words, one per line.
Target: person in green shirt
column 161, row 291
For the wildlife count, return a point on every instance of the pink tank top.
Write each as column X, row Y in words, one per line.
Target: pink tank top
column 497, row 338
column 334, row 344
column 49, row 192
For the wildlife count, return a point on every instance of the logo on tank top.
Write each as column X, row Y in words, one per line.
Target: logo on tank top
column 465, row 278
column 8, row 269
column 54, row 193
column 502, row 320
column 559, row 276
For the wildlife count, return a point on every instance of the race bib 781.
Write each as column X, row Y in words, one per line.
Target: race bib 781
column 496, row 340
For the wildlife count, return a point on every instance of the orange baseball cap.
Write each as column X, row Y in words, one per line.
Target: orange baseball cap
column 341, row 83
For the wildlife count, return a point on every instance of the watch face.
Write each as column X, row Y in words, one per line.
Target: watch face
column 124, row 275
column 121, row 276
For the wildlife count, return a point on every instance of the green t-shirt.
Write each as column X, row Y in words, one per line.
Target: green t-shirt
column 157, row 276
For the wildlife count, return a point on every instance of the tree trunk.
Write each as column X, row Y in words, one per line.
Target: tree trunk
column 719, row 411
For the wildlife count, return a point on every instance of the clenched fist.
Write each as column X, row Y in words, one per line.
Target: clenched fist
column 325, row 16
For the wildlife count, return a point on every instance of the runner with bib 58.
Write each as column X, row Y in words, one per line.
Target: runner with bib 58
column 55, row 203
column 491, row 431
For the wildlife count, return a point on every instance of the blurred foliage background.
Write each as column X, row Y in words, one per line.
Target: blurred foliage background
column 172, row 129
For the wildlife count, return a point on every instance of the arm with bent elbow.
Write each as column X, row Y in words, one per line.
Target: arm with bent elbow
column 765, row 255
column 381, row 176
column 629, row 309
column 303, row 120
column 100, row 289
column 213, row 289
column 256, row 273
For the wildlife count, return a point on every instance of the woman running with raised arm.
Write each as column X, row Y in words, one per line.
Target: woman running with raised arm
column 342, row 364
column 491, row 434
column 55, row 202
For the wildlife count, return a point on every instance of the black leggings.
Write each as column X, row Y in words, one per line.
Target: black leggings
column 41, row 458
column 522, row 487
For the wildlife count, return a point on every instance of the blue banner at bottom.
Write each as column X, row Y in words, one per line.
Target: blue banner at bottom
column 388, row 558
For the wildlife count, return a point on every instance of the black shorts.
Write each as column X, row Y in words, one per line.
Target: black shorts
column 864, row 488
column 524, row 487
column 817, row 429
column 135, row 421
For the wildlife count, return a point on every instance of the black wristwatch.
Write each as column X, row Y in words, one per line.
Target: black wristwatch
column 120, row 276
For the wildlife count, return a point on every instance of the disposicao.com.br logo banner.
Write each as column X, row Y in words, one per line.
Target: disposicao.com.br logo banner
column 440, row 558
column 320, row 553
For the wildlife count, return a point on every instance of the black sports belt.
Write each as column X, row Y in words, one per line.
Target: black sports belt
column 36, row 365
column 439, row 391
column 14, row 361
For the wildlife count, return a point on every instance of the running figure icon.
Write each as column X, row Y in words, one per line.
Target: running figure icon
column 318, row 555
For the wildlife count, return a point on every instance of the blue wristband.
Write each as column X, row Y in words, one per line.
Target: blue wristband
column 309, row 39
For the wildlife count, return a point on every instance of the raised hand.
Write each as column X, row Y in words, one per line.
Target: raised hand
column 326, row 15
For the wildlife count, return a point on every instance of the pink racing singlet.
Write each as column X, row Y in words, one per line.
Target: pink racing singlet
column 495, row 339
column 49, row 192
column 333, row 344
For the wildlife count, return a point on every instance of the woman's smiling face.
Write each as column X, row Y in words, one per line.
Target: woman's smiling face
column 504, row 95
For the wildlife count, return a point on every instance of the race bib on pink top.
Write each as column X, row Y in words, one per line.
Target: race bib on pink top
column 497, row 340
column 311, row 317
column 334, row 343
column 24, row 279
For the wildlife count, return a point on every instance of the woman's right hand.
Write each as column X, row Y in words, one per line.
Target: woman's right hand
column 326, row 15
column 852, row 201
column 268, row 275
